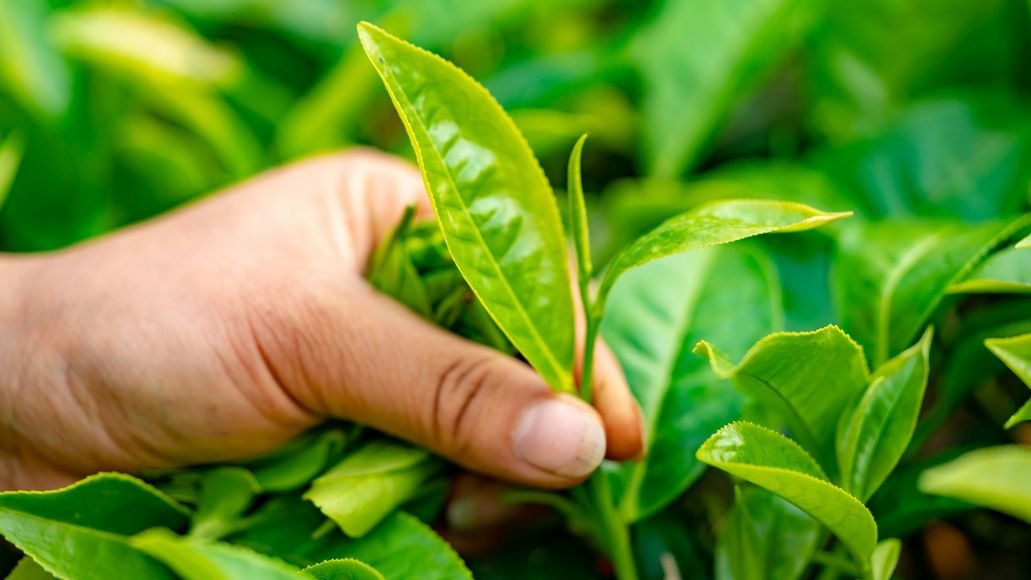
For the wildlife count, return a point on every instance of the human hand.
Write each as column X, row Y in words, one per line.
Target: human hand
column 223, row 329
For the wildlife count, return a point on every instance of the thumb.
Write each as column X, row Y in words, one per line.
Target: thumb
column 370, row 360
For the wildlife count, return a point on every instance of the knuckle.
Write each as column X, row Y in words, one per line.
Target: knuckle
column 459, row 389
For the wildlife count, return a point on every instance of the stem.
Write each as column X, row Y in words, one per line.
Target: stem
column 615, row 531
column 587, row 372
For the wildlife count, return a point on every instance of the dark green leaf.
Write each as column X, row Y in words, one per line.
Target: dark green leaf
column 874, row 432
column 658, row 312
column 299, row 462
column 493, row 202
column 1005, row 272
column 81, row 530
column 343, row 569
column 777, row 464
column 403, row 547
column 28, row 569
column 225, row 494
column 11, row 150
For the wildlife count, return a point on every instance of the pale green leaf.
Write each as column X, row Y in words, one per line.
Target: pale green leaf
column 890, row 277
column 1024, row 244
column 1005, row 272
column 370, row 483
column 885, row 558
column 777, row 464
column 874, row 433
column 28, row 569
column 712, row 224
column 494, row 204
column 806, row 378
column 343, row 569
column 1015, row 352
column 197, row 559
column 225, row 494
column 578, row 211
column 994, row 477
column 82, row 531
column 657, row 313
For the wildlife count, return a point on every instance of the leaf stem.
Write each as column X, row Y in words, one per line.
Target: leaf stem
column 615, row 531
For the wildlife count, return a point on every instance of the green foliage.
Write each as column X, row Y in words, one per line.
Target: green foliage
column 994, row 477
column 1016, row 353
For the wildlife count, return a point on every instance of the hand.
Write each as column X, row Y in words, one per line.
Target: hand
column 224, row 329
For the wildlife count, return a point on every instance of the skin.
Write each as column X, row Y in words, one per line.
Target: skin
column 223, row 329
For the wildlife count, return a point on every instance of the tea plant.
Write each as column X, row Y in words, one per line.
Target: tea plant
column 810, row 425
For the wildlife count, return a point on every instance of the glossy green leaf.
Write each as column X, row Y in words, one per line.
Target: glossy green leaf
column 225, row 495
column 994, row 477
column 657, row 313
column 712, row 224
column 343, row 569
column 494, row 204
column 806, row 378
column 198, row 559
column 404, row 547
column 777, row 464
column 890, row 277
column 578, row 228
column 299, row 462
column 11, row 149
column 370, row 483
column 31, row 68
column 1015, row 352
column 885, row 558
column 696, row 59
column 765, row 536
column 393, row 272
column 874, row 432
column 82, row 530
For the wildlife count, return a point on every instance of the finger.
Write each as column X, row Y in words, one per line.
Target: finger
column 358, row 355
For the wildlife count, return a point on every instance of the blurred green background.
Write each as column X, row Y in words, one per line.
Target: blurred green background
column 114, row 111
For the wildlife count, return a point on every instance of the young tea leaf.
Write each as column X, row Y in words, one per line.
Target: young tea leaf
column 993, row 477
column 342, row 569
column 82, row 531
column 370, row 483
column 578, row 212
column 777, row 464
column 225, row 495
column 1015, row 352
column 197, row 559
column 491, row 197
column 712, row 224
column 299, row 462
column 885, row 558
column 874, row 434
column 404, row 547
column 806, row 378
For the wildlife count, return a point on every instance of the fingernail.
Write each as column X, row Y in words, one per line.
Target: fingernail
column 562, row 436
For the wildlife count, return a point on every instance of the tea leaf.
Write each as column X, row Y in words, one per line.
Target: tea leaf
column 889, row 277
column 578, row 212
column 225, row 495
column 343, row 569
column 370, row 483
column 299, row 462
column 776, row 463
column 1015, row 352
column 11, row 150
column 82, row 530
column 765, row 536
column 874, row 433
column 404, row 547
column 1005, row 272
column 885, row 558
column 197, row 559
column 491, row 197
column 807, row 378
column 712, row 224
column 994, row 477
column 658, row 312
column 28, row 569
